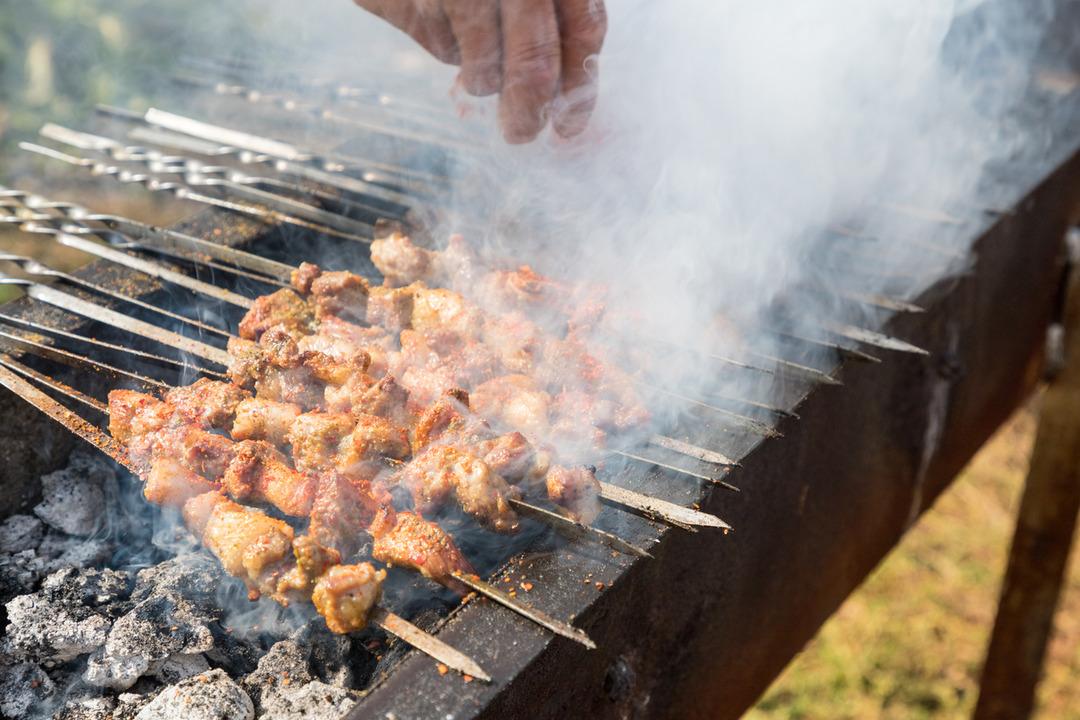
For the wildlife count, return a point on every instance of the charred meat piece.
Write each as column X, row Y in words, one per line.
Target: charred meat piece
column 514, row 401
column 302, row 277
column 443, row 472
column 260, row 472
column 343, row 510
column 437, row 309
column 402, row 262
column 316, row 439
column 207, row 403
column 283, row 307
column 407, row 540
column 391, row 308
column 171, row 484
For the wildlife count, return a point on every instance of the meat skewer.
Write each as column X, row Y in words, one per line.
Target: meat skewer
column 160, row 437
column 390, row 622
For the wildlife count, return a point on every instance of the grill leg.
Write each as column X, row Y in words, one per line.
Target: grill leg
column 1038, row 558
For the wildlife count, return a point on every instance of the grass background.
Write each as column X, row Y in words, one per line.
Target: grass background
column 910, row 642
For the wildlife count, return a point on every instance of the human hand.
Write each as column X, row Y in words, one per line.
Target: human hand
column 532, row 52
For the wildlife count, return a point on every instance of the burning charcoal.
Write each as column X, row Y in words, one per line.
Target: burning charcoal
column 88, row 587
column 62, row 551
column 42, row 628
column 91, row 708
column 233, row 654
column 19, row 533
column 194, row 576
column 129, row 704
column 312, row 701
column 153, row 631
column 23, row 687
column 19, row 573
column 329, row 656
column 74, row 500
column 179, row 667
column 208, row 696
column 285, row 664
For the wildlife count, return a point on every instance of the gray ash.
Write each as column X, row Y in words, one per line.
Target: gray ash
column 110, row 610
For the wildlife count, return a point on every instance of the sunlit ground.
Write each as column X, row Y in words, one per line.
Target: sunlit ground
column 910, row 642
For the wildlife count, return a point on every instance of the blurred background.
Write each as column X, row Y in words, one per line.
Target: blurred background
column 908, row 644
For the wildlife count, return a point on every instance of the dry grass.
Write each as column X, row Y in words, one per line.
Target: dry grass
column 910, row 642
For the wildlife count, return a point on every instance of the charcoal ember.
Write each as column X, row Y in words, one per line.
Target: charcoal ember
column 330, row 656
column 208, row 696
column 20, row 573
column 152, row 631
column 23, row 687
column 129, row 704
column 46, row 628
column 312, row 701
column 195, row 576
column 284, row 664
column 19, row 533
column 92, row 587
column 74, row 499
column 179, row 667
column 87, row 708
column 236, row 655
column 60, row 550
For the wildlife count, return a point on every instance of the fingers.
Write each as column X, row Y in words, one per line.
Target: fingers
column 475, row 24
column 531, row 66
column 582, row 25
column 425, row 22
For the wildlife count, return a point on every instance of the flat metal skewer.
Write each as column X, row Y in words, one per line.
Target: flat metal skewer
column 870, row 337
column 685, row 448
column 135, row 263
column 661, row 509
column 184, row 192
column 123, row 349
column 394, row 624
column 626, row 455
column 146, row 236
column 558, row 627
column 42, row 379
column 739, row 421
column 35, row 268
column 76, row 360
column 74, row 304
column 427, row 643
column 575, row 530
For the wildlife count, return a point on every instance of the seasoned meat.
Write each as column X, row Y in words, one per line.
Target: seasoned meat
column 259, row 419
column 340, row 294
column 250, row 544
column 316, row 439
column 171, row 484
column 514, row 401
column 346, row 594
column 247, row 363
column 513, row 457
column 402, row 262
column 302, row 277
column 283, row 307
column 260, row 472
column 391, row 308
column 207, row 403
column 132, row 414
column 441, row 472
column 436, row 309
column 372, row 438
column 343, row 509
column 407, row 540
column 576, row 490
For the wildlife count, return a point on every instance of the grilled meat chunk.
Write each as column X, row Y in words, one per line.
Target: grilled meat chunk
column 171, row 484
column 576, row 490
column 260, row 472
column 259, row 419
column 339, row 294
column 407, row 540
column 346, row 594
column 132, row 414
column 441, row 472
column 283, row 307
column 207, row 403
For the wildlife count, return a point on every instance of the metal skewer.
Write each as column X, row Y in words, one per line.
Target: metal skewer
column 144, row 266
column 661, row 509
column 540, row 618
column 394, row 624
column 739, row 421
column 197, row 174
column 33, row 267
column 575, row 530
column 184, row 192
column 42, row 379
column 672, row 468
column 870, row 337
column 77, row 305
column 77, row 361
column 147, row 236
column 139, row 354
